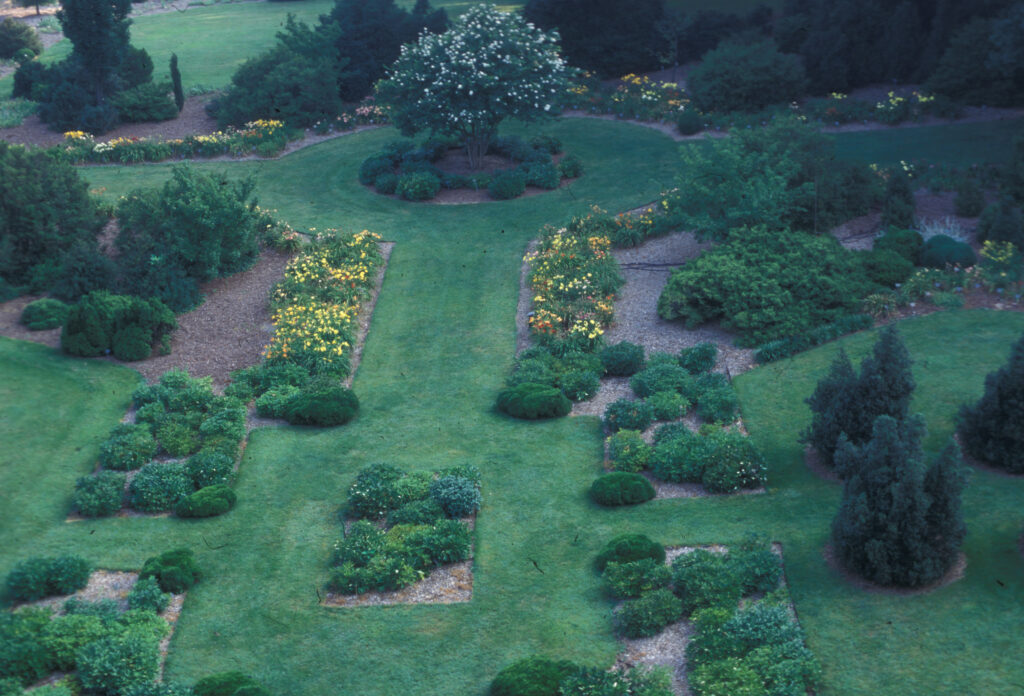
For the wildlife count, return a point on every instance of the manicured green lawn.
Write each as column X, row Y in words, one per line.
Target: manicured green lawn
column 956, row 144
column 441, row 342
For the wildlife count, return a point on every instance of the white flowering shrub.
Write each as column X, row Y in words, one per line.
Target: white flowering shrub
column 491, row 65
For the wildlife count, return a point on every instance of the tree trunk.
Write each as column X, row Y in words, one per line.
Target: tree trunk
column 477, row 142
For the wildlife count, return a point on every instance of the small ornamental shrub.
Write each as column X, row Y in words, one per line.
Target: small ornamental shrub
column 648, row 614
column 227, row 423
column 209, row 467
column 373, row 492
column 446, row 542
column 206, row 502
column 681, row 458
column 323, row 403
column 418, row 186
column 733, row 464
column 546, row 143
column 718, row 405
column 905, row 242
column 662, row 377
column 970, row 199
column 68, row 574
column 226, row 684
column 132, row 343
column 66, row 635
column 159, row 486
column 99, row 495
column 507, row 184
column 175, row 571
column 621, row 488
column 531, row 676
column 24, row 657
column 886, row 268
column 146, row 595
column 532, row 401
column 543, row 175
column 898, row 205
column 374, row 167
column 703, row 579
column 629, row 547
column 570, row 167
column 17, row 36
column 111, row 666
column 579, row 385
column 628, row 451
column 386, row 183
column 417, row 512
column 457, row 496
column 635, row 681
column 689, row 122
column 746, row 76
column 632, row 579
column 272, row 403
column 44, row 314
column 1002, row 222
column 992, row 428
column 177, row 438
column 363, row 540
column 759, row 569
column 37, row 577
column 128, row 447
column 622, row 359
column 151, row 101
column 699, row 358
column 942, row 251
column 668, row 405
column 628, row 414
column 253, row 381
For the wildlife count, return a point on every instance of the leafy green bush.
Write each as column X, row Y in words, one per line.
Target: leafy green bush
column 634, row 578
column 507, row 184
column 24, row 656
column 418, row 186
column 628, row 414
column 206, row 502
column 543, row 175
column 570, row 167
column 699, row 358
column 254, row 381
column 970, row 199
column 373, row 493
column 628, row 451
column 1002, row 222
column 150, row 101
column 662, row 377
column 531, row 676
column 159, row 486
column 146, row 595
column 16, row 36
column 447, row 541
column 732, row 463
column 38, row 577
column 374, row 167
column 579, row 385
column 177, row 437
column 905, row 242
column 128, row 447
column 44, row 314
column 668, row 405
column 992, row 428
column 362, row 541
column 635, row 681
column 886, row 268
column 532, row 401
column 898, row 204
column 689, row 122
column 323, row 402
column 777, row 350
column 681, row 458
column 457, row 496
column 386, row 183
column 209, row 467
column 110, row 666
column 417, row 512
column 743, row 76
column 629, row 547
column 703, row 579
column 66, row 635
column 622, row 359
column 718, row 405
column 941, row 251
column 99, row 318
column 99, row 495
column 648, row 614
column 175, row 571
column 621, row 488
column 225, row 684
column 272, row 403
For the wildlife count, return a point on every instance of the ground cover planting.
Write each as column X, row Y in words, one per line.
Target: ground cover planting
column 330, row 523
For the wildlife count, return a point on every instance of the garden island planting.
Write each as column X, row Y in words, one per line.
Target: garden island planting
column 549, row 348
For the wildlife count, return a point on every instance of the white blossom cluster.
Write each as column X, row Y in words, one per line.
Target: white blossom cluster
column 489, row 66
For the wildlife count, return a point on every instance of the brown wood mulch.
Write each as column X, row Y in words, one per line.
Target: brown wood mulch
column 448, row 584
column 955, row 573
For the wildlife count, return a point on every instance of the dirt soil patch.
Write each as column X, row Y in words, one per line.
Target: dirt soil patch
column 446, row 585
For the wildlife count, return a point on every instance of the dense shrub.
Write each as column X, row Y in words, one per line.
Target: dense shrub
column 43, row 314
column 150, row 101
column 628, row 451
column 323, row 402
column 177, row 437
column 648, row 614
column 634, row 578
column 622, row 359
column 629, row 547
column 531, row 676
column 227, row 684
column 159, row 486
column 746, row 77
column 543, row 175
column 627, row 414
column 689, row 122
column 635, row 681
column 175, row 571
column 417, row 512
column 718, row 404
column 579, row 385
column 128, row 447
column 209, row 467
column 898, row 205
column 681, row 458
column 457, row 495
column 109, row 667
column 16, row 36
column 1002, row 222
column 418, row 186
column 570, row 167
column 23, row 653
column 532, row 401
column 886, row 268
column 970, row 199
column 386, row 183
column 992, row 428
column 704, row 579
column 621, row 488
column 735, row 464
column 783, row 348
column 662, row 377
column 941, row 251
column 668, row 405
column 699, row 358
column 39, row 577
column 147, row 595
column 206, row 502
column 98, row 320
column 254, row 381
column 507, row 184
column 905, row 242
column 373, row 492
column 99, row 495
column 66, row 635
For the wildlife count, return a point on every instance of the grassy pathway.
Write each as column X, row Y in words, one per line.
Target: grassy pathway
column 441, row 342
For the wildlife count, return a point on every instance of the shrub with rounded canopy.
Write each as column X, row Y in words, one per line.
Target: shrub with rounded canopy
column 175, row 571
column 532, row 401
column 491, row 65
column 531, row 676
column 629, row 547
column 621, row 488
column 323, row 402
column 746, row 77
column 992, row 429
column 206, row 502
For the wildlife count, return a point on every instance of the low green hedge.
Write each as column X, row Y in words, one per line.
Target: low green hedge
column 621, row 488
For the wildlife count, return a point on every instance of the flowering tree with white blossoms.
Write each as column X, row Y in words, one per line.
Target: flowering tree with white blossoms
column 491, row 65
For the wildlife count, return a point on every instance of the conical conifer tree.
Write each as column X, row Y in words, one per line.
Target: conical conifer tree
column 828, row 406
column 992, row 430
column 944, row 485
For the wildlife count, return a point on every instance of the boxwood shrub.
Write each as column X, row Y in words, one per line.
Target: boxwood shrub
column 39, row 577
column 634, row 578
column 159, row 486
column 648, row 614
column 322, row 402
column 941, row 251
column 668, row 405
column 699, row 358
column 100, row 494
column 206, row 502
column 629, row 547
column 111, row 666
column 418, row 186
column 209, row 467
column 44, row 314
column 456, row 495
column 628, row 451
column 128, row 447
column 628, row 414
column 146, row 595
column 622, row 359
column 175, row 571
column 532, row 676
column 507, row 184
column 621, row 488
column 532, row 401
column 663, row 377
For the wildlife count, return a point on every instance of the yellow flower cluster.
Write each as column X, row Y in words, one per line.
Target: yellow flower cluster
column 998, row 253
column 323, row 330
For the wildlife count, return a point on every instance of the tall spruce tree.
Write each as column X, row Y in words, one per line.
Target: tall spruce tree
column 992, row 430
column 98, row 30
column 827, row 402
column 896, row 525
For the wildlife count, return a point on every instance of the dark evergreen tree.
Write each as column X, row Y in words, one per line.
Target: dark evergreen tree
column 992, row 430
column 892, row 527
column 179, row 93
column 898, row 208
column 902, row 43
column 830, row 403
column 98, row 31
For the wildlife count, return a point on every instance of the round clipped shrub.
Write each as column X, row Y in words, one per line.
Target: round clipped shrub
column 629, row 547
column 628, row 451
column 699, row 359
column 448, row 541
column 66, row 635
column 622, row 359
column 113, row 665
column 531, row 401
column 531, row 676
column 507, row 184
column 543, row 175
column 373, row 492
column 44, row 314
column 322, row 403
column 209, row 467
column 733, row 464
column 418, row 186
column 906, row 243
column 627, row 414
column 662, row 377
column 621, row 488
column 175, row 571
column 632, row 579
column 272, row 403
column 457, row 495
column 689, row 122
column 206, row 502
column 668, row 405
column 648, row 614
column 159, row 486
column 941, row 251
column 718, row 405
column 68, row 574
column 680, row 459
column 579, row 385
column 570, row 167
column 546, row 143
column 386, row 183
column 128, row 447
column 146, row 595
column 886, row 267
column 27, row 581
column 132, row 343
column 99, row 495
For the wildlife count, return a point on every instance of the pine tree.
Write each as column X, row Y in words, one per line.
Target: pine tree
column 828, row 404
column 98, row 30
column 895, row 525
column 179, row 93
column 992, row 430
